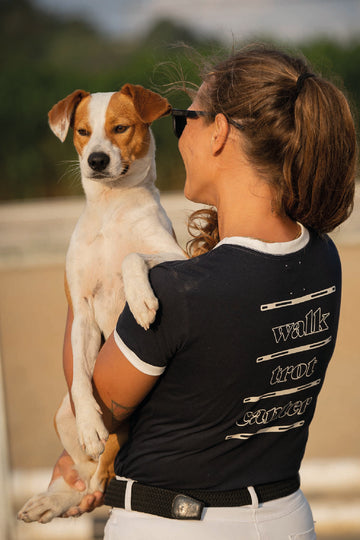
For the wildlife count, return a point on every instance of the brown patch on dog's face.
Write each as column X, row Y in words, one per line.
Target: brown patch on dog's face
column 124, row 128
column 82, row 127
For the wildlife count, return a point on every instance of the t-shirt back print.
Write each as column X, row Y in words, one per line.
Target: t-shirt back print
column 295, row 359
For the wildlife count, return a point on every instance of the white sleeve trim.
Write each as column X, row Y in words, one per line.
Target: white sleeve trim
column 142, row 366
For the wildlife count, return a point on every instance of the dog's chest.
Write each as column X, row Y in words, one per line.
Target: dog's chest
column 97, row 248
column 93, row 268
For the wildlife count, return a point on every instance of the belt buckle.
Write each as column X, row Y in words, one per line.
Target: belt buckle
column 184, row 507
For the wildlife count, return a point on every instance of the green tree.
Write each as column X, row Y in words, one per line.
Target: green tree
column 44, row 58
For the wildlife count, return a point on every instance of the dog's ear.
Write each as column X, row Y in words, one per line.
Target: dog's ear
column 61, row 115
column 149, row 105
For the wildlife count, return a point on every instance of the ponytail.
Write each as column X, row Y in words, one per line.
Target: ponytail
column 320, row 158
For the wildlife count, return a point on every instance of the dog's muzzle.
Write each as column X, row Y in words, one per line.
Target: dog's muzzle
column 98, row 162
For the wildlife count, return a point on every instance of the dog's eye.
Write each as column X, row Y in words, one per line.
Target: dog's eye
column 83, row 132
column 120, row 129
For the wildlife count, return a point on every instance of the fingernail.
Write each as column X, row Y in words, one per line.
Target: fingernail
column 79, row 484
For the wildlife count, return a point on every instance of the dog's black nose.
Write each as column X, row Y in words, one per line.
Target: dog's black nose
column 98, row 161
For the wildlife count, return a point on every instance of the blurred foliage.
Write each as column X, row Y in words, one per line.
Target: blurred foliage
column 44, row 58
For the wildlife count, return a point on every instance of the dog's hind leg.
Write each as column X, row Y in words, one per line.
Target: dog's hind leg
column 52, row 503
column 60, row 497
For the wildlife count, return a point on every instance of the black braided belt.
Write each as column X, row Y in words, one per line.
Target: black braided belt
column 189, row 503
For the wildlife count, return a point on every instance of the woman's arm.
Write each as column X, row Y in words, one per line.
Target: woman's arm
column 119, row 387
column 67, row 350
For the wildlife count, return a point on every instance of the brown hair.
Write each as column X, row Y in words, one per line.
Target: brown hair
column 298, row 133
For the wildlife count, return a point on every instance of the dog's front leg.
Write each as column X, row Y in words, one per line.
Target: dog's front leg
column 85, row 341
column 95, row 475
column 139, row 295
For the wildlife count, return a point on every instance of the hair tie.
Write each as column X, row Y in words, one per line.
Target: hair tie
column 300, row 81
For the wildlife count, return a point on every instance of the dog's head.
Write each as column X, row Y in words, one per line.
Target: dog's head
column 111, row 130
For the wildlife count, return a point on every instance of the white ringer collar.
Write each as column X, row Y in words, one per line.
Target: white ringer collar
column 272, row 248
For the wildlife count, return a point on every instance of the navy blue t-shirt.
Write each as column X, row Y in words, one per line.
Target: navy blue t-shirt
column 241, row 342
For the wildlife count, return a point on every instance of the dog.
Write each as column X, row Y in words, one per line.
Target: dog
column 122, row 220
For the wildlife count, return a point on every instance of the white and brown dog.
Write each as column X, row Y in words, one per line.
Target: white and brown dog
column 122, row 216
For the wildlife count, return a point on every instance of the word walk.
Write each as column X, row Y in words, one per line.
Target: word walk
column 313, row 323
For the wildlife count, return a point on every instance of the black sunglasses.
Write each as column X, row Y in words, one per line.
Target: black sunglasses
column 179, row 117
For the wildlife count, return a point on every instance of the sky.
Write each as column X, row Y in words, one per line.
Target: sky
column 292, row 20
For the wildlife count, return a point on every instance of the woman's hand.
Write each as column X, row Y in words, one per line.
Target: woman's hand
column 65, row 467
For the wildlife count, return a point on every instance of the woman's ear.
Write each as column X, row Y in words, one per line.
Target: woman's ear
column 220, row 133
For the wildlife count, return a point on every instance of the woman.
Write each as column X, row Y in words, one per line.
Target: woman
column 224, row 384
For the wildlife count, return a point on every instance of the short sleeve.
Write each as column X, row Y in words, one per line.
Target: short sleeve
column 151, row 350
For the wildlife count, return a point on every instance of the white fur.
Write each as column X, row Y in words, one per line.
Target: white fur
column 122, row 218
column 98, row 142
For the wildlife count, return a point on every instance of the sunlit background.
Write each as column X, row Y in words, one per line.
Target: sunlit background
column 48, row 48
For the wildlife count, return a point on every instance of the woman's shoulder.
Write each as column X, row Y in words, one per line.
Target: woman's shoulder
column 170, row 272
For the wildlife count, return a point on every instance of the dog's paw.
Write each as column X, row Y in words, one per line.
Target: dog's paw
column 45, row 506
column 92, row 433
column 139, row 295
column 143, row 305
